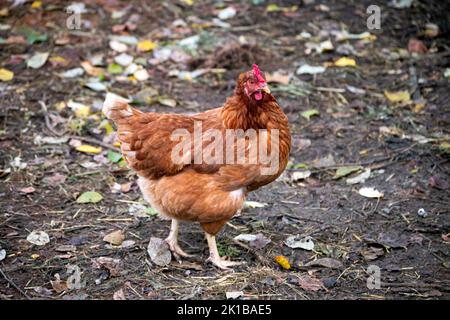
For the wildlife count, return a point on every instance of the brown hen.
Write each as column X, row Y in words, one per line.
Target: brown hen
column 200, row 167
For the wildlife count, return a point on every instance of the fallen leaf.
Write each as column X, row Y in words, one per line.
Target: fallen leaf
column 254, row 204
column 116, row 237
column 359, row 178
column 38, row 238
column 307, row 69
column 283, row 262
column 55, row 179
column 258, row 241
column 114, row 157
column 123, row 59
column 372, row 253
column 110, row 264
column 300, row 175
column 58, row 285
column 417, row 46
column 431, row 30
column 146, row 45
column 2, row 254
column 226, row 13
column 37, row 60
column 325, row 262
column 72, row 73
column 89, row 197
column 28, row 190
column 370, row 193
column 345, row 62
column 167, row 102
column 309, row 113
column 438, row 182
column 6, row 75
column 96, row 86
column 89, row 149
column 91, row 70
column 399, row 96
column 310, row 284
column 345, row 171
column 119, row 295
column 118, row 46
column 296, row 242
column 142, row 75
column 159, row 252
column 115, row 68
column 234, row 294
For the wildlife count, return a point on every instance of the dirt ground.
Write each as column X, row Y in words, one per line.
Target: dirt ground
column 405, row 145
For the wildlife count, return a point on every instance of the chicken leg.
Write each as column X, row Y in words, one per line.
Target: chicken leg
column 214, row 256
column 172, row 240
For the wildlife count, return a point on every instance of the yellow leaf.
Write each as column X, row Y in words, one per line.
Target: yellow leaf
column 36, row 4
column 89, row 149
column 188, row 2
column 345, row 62
column 116, row 144
column 34, row 256
column 82, row 111
column 418, row 107
column 6, row 75
column 107, row 126
column 445, row 145
column 399, row 96
column 283, row 262
column 60, row 106
column 146, row 45
column 273, row 8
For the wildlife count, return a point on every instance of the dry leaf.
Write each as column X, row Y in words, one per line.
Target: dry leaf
column 116, row 237
column 6, row 75
column 370, row 193
column 146, row 45
column 89, row 149
column 399, row 96
column 345, row 62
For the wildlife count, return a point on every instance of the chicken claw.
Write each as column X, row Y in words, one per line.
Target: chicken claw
column 172, row 241
column 215, row 258
column 223, row 264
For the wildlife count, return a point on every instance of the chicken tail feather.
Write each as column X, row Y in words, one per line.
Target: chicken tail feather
column 117, row 108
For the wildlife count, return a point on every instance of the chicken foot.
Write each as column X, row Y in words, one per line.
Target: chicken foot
column 172, row 241
column 214, row 256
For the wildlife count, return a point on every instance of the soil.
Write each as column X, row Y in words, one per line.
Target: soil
column 411, row 251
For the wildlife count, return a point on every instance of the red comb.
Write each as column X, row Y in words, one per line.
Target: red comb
column 257, row 73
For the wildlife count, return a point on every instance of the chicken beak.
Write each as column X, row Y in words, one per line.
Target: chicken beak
column 265, row 89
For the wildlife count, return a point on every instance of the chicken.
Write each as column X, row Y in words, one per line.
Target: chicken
column 180, row 159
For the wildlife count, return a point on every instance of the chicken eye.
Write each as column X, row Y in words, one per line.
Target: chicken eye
column 251, row 81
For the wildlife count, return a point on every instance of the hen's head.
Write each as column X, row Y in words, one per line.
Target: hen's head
column 253, row 85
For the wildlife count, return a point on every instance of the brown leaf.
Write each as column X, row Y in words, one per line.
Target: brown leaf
column 119, row 295
column 310, row 284
column 28, row 190
column 112, row 265
column 438, row 182
column 417, row 46
column 325, row 262
column 115, row 237
column 58, row 285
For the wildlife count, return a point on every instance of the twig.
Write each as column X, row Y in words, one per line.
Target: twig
column 256, row 254
column 47, row 120
column 13, row 284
